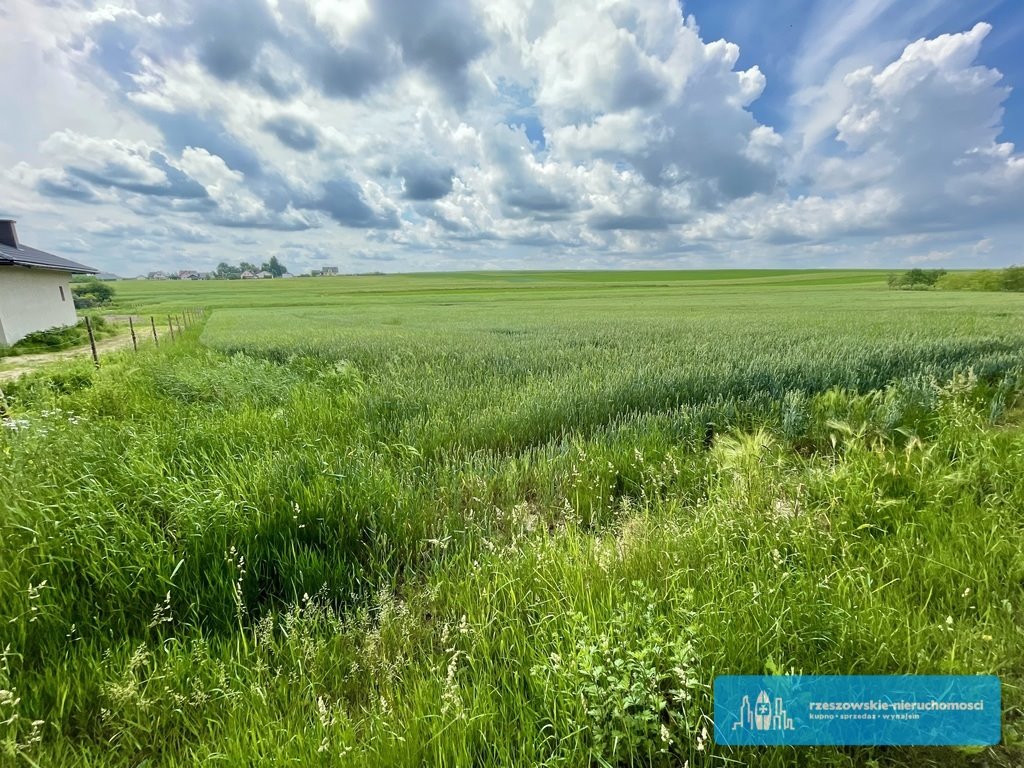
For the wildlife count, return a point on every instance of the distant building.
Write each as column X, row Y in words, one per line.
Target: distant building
column 34, row 290
column 188, row 274
column 263, row 274
column 287, row 274
column 248, row 275
column 158, row 275
column 329, row 271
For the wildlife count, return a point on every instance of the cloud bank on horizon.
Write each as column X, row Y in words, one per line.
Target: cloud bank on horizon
column 401, row 135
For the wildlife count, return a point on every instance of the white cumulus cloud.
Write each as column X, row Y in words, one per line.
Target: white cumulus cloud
column 435, row 133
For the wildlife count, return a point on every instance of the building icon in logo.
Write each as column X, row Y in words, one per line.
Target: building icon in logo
column 763, row 716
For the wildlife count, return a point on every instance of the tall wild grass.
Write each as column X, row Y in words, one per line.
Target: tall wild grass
column 507, row 544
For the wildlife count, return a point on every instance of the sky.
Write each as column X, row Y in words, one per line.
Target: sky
column 425, row 135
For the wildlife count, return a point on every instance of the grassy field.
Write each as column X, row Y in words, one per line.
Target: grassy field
column 161, row 296
column 477, row 519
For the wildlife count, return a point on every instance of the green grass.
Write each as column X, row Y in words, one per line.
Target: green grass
column 471, row 520
column 163, row 296
column 57, row 339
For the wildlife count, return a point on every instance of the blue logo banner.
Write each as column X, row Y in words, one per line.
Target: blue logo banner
column 922, row 710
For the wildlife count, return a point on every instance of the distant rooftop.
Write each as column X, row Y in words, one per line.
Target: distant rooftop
column 13, row 253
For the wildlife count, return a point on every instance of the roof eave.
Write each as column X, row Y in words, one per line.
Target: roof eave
column 78, row 269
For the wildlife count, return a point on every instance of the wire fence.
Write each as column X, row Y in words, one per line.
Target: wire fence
column 141, row 333
column 186, row 319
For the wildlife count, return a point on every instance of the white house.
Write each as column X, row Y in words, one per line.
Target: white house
column 34, row 290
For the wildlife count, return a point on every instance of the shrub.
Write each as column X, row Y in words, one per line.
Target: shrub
column 57, row 339
column 1009, row 279
column 1013, row 279
column 916, row 279
column 91, row 292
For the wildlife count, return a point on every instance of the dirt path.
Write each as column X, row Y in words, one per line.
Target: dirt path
column 13, row 367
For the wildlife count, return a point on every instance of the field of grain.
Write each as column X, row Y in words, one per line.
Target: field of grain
column 508, row 519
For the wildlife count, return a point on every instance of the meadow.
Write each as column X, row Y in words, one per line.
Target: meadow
column 508, row 518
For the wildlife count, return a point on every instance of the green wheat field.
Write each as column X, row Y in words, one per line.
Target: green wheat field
column 509, row 519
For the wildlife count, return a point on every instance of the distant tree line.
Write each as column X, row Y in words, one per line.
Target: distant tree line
column 1008, row 279
column 227, row 271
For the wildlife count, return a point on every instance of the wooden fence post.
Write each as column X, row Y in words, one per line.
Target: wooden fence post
column 170, row 325
column 152, row 323
column 92, row 342
column 131, row 327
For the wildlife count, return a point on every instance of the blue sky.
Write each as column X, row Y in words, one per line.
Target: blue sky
column 774, row 35
column 401, row 135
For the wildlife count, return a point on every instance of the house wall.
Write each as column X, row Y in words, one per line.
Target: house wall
column 30, row 300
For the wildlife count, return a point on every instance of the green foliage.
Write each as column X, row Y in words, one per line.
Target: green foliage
column 274, row 267
column 916, row 279
column 227, row 271
column 489, row 533
column 57, row 339
column 91, row 293
column 635, row 678
column 1013, row 279
column 1009, row 279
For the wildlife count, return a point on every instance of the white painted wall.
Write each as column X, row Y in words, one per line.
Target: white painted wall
column 30, row 300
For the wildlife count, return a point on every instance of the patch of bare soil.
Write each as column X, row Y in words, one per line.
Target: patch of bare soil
column 13, row 367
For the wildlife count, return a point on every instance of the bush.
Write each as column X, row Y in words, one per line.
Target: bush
column 1013, row 279
column 91, row 292
column 916, row 279
column 1009, row 279
column 56, row 339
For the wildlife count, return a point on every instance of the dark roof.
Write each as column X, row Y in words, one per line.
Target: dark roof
column 23, row 256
